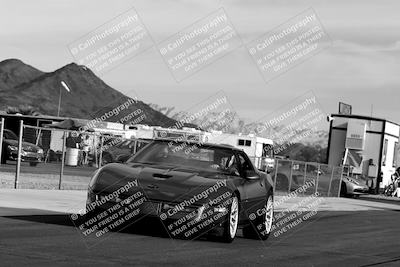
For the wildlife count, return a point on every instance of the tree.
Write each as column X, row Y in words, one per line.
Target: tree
column 23, row 110
column 306, row 153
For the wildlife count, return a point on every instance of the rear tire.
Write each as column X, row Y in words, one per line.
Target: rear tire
column 282, row 182
column 3, row 155
column 343, row 190
column 261, row 227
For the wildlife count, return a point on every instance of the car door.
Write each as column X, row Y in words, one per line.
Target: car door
column 254, row 192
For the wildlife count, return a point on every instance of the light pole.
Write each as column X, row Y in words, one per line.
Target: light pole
column 59, row 98
column 59, row 103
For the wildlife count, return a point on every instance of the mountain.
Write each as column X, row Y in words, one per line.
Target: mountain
column 224, row 119
column 89, row 97
column 14, row 72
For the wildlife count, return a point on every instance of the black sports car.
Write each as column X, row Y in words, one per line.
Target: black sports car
column 192, row 188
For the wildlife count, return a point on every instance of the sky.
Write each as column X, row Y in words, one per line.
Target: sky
column 360, row 67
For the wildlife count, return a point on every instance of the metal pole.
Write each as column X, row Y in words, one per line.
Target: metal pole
column 59, row 104
column 95, row 150
column 135, row 143
column 1, row 137
column 62, row 160
column 330, row 182
column 291, row 175
column 340, row 183
column 276, row 173
column 101, row 151
column 21, row 132
column 38, row 136
column 316, row 184
column 346, row 152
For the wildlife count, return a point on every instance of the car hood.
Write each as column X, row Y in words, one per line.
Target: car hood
column 161, row 183
column 26, row 146
column 351, row 179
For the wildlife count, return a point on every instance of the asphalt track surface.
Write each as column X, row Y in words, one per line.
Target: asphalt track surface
column 330, row 238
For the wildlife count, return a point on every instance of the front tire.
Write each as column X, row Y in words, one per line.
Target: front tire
column 231, row 222
column 3, row 159
column 260, row 227
column 343, row 190
column 282, row 182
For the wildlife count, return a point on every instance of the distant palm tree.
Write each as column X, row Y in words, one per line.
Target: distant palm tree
column 23, row 110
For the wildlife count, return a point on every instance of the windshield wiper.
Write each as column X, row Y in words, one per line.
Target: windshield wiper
column 147, row 163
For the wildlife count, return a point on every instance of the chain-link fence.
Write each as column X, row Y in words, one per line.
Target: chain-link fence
column 312, row 178
column 290, row 175
column 48, row 158
column 2, row 148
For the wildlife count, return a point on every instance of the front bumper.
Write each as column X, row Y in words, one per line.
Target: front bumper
column 178, row 221
column 357, row 189
column 152, row 208
column 27, row 156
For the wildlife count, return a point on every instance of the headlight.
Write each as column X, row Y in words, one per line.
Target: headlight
column 353, row 181
column 220, row 209
column 40, row 151
column 199, row 213
column 13, row 148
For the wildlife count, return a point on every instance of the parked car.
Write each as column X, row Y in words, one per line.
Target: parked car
column 30, row 152
column 349, row 186
column 174, row 177
column 352, row 186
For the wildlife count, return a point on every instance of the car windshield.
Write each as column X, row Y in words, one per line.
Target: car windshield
column 10, row 135
column 188, row 155
column 124, row 144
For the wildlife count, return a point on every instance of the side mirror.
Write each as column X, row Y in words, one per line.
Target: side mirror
column 269, row 170
column 251, row 175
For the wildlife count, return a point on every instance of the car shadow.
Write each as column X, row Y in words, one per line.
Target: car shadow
column 144, row 226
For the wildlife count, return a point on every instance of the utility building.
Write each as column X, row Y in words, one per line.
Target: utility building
column 370, row 145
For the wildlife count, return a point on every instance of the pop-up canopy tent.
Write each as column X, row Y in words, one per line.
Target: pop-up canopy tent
column 73, row 141
column 70, row 124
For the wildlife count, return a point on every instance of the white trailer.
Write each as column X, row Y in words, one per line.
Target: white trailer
column 259, row 149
